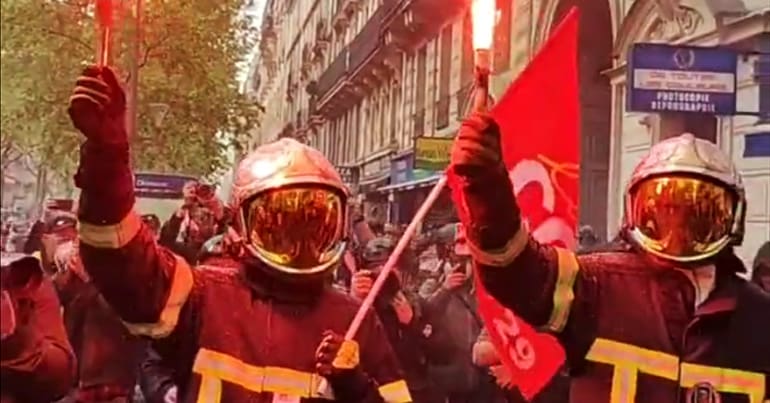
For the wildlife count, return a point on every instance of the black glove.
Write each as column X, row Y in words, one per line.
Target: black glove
column 338, row 361
column 98, row 106
column 477, row 149
column 481, row 188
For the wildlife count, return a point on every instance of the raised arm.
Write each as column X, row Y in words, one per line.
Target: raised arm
column 145, row 284
column 542, row 284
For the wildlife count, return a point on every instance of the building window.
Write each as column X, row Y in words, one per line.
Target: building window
column 408, row 104
column 466, row 67
column 419, row 92
column 383, row 126
column 444, row 78
column 502, row 40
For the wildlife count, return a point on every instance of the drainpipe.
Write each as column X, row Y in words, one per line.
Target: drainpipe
column 762, row 77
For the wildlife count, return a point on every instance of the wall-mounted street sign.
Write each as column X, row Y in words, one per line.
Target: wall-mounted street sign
column 432, row 153
column 160, row 186
column 666, row 78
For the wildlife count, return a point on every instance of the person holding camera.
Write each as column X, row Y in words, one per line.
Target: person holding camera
column 106, row 352
column 37, row 363
column 410, row 326
column 461, row 380
column 200, row 218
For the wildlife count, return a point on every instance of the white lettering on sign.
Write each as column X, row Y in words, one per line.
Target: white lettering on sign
column 151, row 183
column 519, row 348
column 675, row 80
column 554, row 228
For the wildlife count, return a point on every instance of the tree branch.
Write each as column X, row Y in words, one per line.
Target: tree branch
column 148, row 48
column 70, row 37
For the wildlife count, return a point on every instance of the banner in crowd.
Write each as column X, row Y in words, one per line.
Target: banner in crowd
column 539, row 123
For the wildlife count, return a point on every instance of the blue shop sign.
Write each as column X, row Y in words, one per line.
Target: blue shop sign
column 160, row 186
column 756, row 145
column 665, row 78
column 401, row 169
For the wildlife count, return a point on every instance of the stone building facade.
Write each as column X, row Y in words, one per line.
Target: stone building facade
column 361, row 79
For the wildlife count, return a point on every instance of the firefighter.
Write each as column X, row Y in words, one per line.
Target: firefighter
column 667, row 320
column 96, row 333
column 37, row 363
column 267, row 332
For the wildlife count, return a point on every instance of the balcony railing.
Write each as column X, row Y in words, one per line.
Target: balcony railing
column 367, row 41
column 333, row 74
column 411, row 23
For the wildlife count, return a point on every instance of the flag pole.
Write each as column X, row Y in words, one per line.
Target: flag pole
column 483, row 14
column 104, row 22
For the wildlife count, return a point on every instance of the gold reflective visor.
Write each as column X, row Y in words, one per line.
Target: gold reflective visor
column 681, row 218
column 297, row 228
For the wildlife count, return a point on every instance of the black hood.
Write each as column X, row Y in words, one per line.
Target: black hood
column 269, row 283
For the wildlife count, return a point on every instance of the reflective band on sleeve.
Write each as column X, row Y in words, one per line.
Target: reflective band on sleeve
column 215, row 368
column 563, row 293
column 110, row 236
column 725, row 380
column 181, row 285
column 504, row 256
column 395, row 392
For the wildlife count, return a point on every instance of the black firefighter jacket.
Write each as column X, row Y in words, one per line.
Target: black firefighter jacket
column 630, row 328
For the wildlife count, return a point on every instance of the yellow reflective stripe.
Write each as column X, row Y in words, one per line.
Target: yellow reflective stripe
column 110, row 236
column 623, row 384
column 210, row 390
column 395, row 392
column 629, row 360
column 563, row 293
column 222, row 367
column 229, row 369
column 648, row 361
column 725, row 380
column 503, row 256
column 181, row 285
column 287, row 381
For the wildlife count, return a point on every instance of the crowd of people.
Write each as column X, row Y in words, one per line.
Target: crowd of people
column 250, row 299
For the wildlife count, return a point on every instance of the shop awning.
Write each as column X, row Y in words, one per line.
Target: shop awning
column 374, row 179
column 371, row 184
column 417, row 183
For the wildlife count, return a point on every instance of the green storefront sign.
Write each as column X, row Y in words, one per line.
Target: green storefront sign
column 432, row 153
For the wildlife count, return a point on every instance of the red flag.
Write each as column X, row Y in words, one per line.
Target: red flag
column 539, row 122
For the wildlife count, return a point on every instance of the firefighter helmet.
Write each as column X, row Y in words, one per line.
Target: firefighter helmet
column 685, row 201
column 290, row 208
